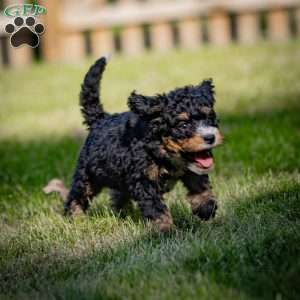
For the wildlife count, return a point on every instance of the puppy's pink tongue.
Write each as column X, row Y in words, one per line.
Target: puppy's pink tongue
column 204, row 161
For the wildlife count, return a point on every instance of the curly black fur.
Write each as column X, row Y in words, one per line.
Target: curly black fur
column 91, row 107
column 141, row 153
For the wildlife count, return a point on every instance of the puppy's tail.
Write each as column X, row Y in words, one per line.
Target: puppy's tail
column 91, row 107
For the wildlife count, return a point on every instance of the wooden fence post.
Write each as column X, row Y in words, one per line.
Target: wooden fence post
column 247, row 28
column 219, row 28
column 189, row 33
column 161, row 36
column 18, row 56
column 102, row 42
column 50, row 42
column 132, row 39
column 21, row 56
column 298, row 20
column 72, row 46
column 278, row 25
column 1, row 53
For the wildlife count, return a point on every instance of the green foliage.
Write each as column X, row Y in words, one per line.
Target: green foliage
column 251, row 250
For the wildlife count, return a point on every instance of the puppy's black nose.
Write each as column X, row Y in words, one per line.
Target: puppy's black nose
column 209, row 138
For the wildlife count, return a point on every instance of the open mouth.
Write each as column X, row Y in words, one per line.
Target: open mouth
column 202, row 159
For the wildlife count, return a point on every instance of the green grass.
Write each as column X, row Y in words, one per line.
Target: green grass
column 250, row 251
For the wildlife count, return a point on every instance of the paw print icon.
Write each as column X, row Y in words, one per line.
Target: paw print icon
column 25, row 31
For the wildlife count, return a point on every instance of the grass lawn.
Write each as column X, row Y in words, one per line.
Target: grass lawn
column 252, row 248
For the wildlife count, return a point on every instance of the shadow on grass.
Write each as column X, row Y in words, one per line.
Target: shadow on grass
column 254, row 250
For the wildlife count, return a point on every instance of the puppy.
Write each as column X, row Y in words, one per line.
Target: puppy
column 141, row 153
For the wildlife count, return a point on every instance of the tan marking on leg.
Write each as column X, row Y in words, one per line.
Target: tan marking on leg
column 76, row 209
column 164, row 222
column 153, row 172
column 196, row 200
column 203, row 205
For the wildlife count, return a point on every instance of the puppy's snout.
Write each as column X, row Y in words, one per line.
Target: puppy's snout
column 209, row 138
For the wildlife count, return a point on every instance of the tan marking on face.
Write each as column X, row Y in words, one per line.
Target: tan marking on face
column 192, row 144
column 171, row 145
column 205, row 109
column 183, row 116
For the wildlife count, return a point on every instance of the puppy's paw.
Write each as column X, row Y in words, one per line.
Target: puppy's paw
column 206, row 210
column 56, row 185
column 74, row 209
column 164, row 223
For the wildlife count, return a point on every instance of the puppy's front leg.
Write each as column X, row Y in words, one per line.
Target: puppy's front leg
column 200, row 196
column 149, row 199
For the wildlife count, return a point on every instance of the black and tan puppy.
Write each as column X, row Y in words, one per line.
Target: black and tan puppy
column 141, row 153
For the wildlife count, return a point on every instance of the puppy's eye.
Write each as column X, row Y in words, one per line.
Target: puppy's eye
column 183, row 125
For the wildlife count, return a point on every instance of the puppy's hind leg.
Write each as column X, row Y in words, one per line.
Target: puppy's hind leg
column 81, row 193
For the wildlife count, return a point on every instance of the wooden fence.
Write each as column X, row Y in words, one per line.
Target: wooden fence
column 75, row 28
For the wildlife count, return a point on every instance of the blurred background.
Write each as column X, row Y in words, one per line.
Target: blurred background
column 76, row 29
column 156, row 45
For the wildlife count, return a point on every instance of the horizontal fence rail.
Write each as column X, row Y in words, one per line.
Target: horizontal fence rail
column 76, row 28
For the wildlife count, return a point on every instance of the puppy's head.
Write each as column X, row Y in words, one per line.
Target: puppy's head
column 184, row 121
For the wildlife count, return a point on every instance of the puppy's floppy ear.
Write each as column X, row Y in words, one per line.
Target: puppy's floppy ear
column 206, row 89
column 144, row 105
